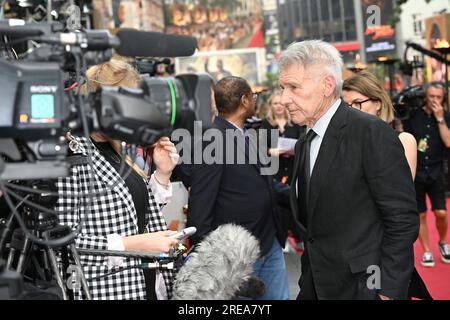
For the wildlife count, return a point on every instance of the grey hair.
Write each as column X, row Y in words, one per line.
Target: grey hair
column 435, row 85
column 313, row 52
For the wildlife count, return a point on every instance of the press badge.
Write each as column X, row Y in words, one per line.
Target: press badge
column 423, row 145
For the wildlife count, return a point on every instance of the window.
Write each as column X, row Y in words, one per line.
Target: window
column 349, row 10
column 314, row 11
column 327, row 38
column 417, row 24
column 338, row 37
column 324, row 10
column 350, row 29
column 336, row 9
column 304, row 12
column 296, row 9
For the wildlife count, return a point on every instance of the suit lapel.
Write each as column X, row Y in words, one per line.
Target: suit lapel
column 326, row 156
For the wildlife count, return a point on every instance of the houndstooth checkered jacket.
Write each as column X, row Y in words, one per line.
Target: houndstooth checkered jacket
column 112, row 212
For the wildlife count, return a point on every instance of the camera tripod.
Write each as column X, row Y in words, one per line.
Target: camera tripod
column 44, row 258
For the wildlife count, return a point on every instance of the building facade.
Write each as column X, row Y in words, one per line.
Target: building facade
column 331, row 20
column 412, row 25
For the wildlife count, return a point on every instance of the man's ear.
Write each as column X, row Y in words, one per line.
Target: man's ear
column 330, row 86
column 245, row 101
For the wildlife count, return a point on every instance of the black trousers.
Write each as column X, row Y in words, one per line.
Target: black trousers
column 306, row 282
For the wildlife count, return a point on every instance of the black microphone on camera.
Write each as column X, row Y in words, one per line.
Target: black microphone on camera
column 127, row 42
column 154, row 44
column 90, row 40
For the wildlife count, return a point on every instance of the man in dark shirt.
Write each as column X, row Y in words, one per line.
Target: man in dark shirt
column 430, row 128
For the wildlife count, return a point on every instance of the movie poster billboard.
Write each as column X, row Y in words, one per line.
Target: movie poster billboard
column 216, row 28
column 146, row 15
column 380, row 38
column 437, row 31
column 246, row 63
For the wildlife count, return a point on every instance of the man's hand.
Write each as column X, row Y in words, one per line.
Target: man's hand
column 275, row 152
column 281, row 153
column 438, row 110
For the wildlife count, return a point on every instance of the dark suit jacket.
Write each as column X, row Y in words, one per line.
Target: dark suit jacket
column 362, row 210
column 234, row 193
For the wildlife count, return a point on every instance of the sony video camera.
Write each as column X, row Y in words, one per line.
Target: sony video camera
column 41, row 100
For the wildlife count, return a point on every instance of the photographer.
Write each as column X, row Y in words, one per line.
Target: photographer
column 429, row 125
column 123, row 214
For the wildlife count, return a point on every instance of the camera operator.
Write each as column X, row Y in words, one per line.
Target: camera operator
column 124, row 214
column 429, row 126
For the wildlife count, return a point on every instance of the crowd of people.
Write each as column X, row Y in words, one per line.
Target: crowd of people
column 220, row 35
column 352, row 190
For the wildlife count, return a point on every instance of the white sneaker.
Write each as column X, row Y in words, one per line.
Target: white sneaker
column 427, row 259
column 287, row 247
column 444, row 249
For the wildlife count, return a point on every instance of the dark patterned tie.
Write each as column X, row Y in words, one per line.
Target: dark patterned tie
column 303, row 182
column 309, row 138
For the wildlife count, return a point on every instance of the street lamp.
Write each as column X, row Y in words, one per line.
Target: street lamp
column 390, row 65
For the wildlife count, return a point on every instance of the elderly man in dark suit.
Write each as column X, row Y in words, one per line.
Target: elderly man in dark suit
column 352, row 194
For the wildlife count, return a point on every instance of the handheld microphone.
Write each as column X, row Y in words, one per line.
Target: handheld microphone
column 154, row 44
column 184, row 233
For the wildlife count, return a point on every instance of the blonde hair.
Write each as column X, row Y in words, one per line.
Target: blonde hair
column 368, row 85
column 270, row 116
column 116, row 72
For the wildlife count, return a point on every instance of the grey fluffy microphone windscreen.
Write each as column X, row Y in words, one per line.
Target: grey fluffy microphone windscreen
column 220, row 266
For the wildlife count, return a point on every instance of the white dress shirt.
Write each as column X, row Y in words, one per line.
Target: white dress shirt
column 320, row 128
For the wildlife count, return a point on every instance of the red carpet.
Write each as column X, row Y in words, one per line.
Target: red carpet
column 257, row 40
column 437, row 279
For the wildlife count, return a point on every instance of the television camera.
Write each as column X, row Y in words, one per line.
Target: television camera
column 408, row 101
column 38, row 108
column 42, row 100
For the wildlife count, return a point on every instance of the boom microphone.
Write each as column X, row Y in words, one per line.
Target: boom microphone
column 135, row 43
column 220, row 267
column 129, row 42
column 91, row 40
column 427, row 52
